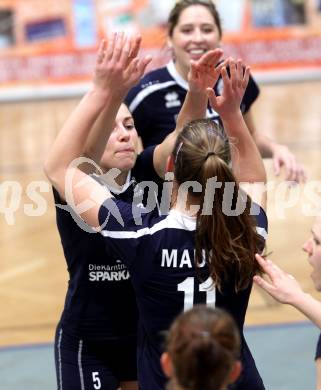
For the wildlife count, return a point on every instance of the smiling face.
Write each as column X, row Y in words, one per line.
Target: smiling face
column 195, row 33
column 313, row 248
column 121, row 148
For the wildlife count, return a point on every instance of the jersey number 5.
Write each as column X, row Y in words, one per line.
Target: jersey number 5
column 187, row 287
column 96, row 380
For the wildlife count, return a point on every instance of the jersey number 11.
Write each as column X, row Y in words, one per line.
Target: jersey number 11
column 187, row 287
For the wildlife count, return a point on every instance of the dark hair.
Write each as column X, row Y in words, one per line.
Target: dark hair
column 203, row 344
column 228, row 242
column 183, row 4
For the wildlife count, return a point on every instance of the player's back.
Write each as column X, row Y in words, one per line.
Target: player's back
column 159, row 253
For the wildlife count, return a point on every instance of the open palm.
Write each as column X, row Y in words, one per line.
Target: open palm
column 234, row 86
column 117, row 67
column 205, row 72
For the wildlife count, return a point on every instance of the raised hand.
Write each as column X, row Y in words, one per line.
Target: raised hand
column 234, row 86
column 205, row 72
column 118, row 67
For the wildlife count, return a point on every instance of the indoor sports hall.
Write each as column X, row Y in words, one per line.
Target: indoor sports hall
column 47, row 52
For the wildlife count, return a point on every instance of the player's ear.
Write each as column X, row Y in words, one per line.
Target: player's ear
column 236, row 371
column 166, row 364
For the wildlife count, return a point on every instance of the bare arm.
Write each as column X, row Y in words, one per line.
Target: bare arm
column 114, row 75
column 285, row 289
column 70, row 141
column 247, row 163
column 203, row 74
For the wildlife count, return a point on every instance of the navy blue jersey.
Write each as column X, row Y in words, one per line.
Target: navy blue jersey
column 159, row 254
column 100, row 302
column 157, row 99
column 318, row 349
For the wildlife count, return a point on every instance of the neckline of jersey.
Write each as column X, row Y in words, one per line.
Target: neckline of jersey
column 176, row 76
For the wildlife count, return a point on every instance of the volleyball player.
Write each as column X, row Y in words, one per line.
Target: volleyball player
column 194, row 27
column 95, row 343
column 159, row 252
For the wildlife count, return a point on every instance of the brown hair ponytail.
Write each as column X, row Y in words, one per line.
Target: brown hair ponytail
column 228, row 239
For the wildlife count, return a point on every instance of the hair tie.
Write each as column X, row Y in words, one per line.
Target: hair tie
column 209, row 154
column 205, row 334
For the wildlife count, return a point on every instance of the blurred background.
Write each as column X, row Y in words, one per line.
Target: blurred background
column 48, row 48
column 47, row 52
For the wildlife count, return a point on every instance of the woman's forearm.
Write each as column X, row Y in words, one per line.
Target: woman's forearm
column 246, row 159
column 72, row 138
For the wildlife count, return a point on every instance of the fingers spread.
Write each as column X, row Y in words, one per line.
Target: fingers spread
column 262, row 283
column 246, row 77
column 132, row 68
column 194, row 70
column 144, row 63
column 121, row 39
column 135, row 46
column 233, row 73
column 125, row 50
column 226, row 79
column 211, row 57
column 211, row 97
column 110, row 47
column 290, row 165
column 267, row 265
column 263, row 263
column 101, row 51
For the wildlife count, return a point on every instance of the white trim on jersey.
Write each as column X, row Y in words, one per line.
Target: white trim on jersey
column 174, row 220
column 176, row 76
column 210, row 112
column 81, row 373
column 262, row 232
column 59, row 360
column 147, row 91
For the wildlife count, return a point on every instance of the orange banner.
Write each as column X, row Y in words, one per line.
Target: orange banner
column 48, row 43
